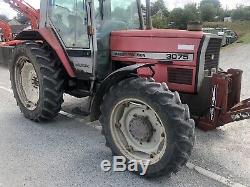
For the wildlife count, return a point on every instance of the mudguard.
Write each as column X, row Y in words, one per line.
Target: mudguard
column 114, row 78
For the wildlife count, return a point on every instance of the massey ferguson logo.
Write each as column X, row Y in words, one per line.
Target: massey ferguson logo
column 213, row 105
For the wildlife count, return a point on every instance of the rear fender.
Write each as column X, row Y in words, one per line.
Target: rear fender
column 46, row 34
column 112, row 79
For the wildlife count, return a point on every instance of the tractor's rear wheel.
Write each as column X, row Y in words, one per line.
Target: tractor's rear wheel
column 143, row 120
column 37, row 81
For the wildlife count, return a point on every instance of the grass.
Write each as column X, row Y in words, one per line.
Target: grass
column 245, row 38
column 242, row 28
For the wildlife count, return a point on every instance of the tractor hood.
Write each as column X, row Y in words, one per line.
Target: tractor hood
column 163, row 47
column 156, row 40
column 159, row 33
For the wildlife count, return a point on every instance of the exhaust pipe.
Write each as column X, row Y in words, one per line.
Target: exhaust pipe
column 148, row 15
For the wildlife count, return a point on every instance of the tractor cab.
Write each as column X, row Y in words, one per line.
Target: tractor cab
column 84, row 29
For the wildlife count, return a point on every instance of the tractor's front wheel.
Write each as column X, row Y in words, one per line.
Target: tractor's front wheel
column 144, row 121
column 37, row 81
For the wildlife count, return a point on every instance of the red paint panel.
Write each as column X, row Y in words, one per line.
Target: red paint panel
column 140, row 41
column 144, row 44
column 52, row 40
column 161, row 45
column 159, row 33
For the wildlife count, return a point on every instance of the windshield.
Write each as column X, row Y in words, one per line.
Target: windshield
column 124, row 12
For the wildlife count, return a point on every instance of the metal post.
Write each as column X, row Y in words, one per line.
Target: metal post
column 148, row 15
column 140, row 14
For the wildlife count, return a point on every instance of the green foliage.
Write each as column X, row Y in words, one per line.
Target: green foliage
column 241, row 13
column 242, row 28
column 181, row 17
column 191, row 13
column 159, row 22
column 160, row 14
column 177, row 17
column 245, row 38
column 159, row 7
column 209, row 9
column 215, row 3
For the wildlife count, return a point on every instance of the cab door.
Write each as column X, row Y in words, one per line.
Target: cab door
column 70, row 20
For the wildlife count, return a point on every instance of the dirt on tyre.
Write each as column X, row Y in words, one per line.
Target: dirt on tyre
column 144, row 120
column 37, row 79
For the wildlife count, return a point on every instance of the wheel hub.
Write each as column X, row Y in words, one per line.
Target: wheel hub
column 141, row 129
column 35, row 82
column 138, row 131
column 27, row 83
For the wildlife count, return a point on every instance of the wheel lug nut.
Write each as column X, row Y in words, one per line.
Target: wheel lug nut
column 162, row 135
column 118, row 125
column 130, row 148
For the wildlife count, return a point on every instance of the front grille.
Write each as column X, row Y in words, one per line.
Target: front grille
column 180, row 76
column 213, row 54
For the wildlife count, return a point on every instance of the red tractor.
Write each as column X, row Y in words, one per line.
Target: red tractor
column 100, row 49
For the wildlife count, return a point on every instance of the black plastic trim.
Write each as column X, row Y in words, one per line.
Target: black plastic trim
column 198, row 63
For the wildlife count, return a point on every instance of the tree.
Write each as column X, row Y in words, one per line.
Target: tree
column 208, row 12
column 159, row 6
column 159, row 21
column 160, row 14
column 241, row 13
column 210, row 9
column 214, row 3
column 191, row 13
column 177, row 16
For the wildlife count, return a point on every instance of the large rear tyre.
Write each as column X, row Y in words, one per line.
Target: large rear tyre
column 37, row 80
column 143, row 120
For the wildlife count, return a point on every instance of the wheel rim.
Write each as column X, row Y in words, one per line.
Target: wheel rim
column 27, row 83
column 138, row 131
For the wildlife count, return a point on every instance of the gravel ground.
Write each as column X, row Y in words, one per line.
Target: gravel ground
column 67, row 152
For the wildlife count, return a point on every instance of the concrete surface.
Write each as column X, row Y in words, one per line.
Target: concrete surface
column 68, row 152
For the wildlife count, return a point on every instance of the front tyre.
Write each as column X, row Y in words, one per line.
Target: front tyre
column 143, row 120
column 37, row 80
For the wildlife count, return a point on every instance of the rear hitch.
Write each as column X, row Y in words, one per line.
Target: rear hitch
column 225, row 102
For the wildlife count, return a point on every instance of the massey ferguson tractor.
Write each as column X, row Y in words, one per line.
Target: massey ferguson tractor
column 132, row 75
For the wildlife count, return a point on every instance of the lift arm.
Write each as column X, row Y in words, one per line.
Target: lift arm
column 7, row 31
column 31, row 13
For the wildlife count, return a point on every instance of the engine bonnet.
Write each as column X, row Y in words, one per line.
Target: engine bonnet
column 159, row 33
